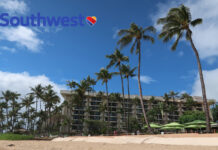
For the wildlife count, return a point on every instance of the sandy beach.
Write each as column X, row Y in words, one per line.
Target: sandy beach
column 157, row 142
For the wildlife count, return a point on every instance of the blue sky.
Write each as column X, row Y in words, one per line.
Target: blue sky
column 31, row 55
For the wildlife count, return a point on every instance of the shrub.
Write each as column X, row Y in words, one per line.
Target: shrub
column 11, row 136
column 190, row 116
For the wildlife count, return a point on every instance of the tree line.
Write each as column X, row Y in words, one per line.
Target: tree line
column 33, row 112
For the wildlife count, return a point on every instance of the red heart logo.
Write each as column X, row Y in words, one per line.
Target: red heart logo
column 91, row 20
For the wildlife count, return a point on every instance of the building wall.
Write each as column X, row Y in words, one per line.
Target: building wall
column 93, row 109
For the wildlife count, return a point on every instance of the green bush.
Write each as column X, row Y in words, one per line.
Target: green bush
column 11, row 136
column 215, row 113
column 96, row 127
column 190, row 116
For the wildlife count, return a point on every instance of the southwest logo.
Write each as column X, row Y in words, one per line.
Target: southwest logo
column 91, row 20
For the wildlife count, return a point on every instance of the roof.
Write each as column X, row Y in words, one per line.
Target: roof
column 160, row 98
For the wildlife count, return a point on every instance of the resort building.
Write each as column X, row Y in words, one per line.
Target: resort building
column 93, row 107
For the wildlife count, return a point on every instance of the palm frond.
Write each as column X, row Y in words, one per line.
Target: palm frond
column 150, row 29
column 176, row 42
column 161, row 20
column 196, row 22
column 148, row 38
column 133, row 46
column 123, row 31
column 134, row 27
column 176, row 12
column 125, row 58
column 110, row 64
column 186, row 12
column 124, row 41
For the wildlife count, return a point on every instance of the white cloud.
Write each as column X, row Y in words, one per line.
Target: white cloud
column 14, row 6
column 21, row 82
column 145, row 79
column 23, row 36
column 211, row 83
column 5, row 48
column 204, row 35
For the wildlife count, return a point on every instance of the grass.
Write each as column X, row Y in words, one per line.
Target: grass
column 11, row 136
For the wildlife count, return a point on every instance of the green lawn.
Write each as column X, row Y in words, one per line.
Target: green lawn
column 10, row 136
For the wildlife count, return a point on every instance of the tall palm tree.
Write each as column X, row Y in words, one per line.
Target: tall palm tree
column 69, row 104
column 173, row 95
column 116, row 60
column 177, row 23
column 38, row 92
column 128, row 72
column 166, row 98
column 15, row 107
column 7, row 96
column 27, row 102
column 105, row 76
column 51, row 99
column 91, row 83
column 135, row 35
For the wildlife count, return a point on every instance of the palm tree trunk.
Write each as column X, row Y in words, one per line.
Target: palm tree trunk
column 128, row 101
column 140, row 89
column 36, row 105
column 107, row 108
column 40, row 105
column 36, row 113
column 7, row 115
column 205, row 104
column 28, row 119
column 121, row 77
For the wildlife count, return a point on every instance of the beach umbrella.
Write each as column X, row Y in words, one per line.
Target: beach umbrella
column 214, row 125
column 171, row 128
column 153, row 125
column 196, row 122
column 173, row 124
column 195, row 126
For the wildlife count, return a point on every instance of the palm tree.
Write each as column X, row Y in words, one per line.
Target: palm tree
column 91, row 81
column 7, row 96
column 173, row 95
column 27, row 102
column 136, row 34
column 69, row 104
column 38, row 92
column 128, row 72
column 161, row 106
column 15, row 107
column 51, row 99
column 115, row 60
column 3, row 105
column 105, row 76
column 177, row 23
